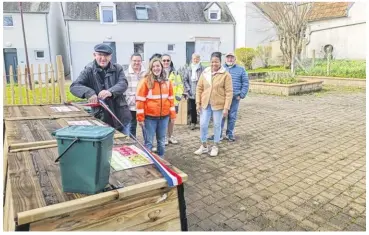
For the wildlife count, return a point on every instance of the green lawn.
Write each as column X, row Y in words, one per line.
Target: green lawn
column 269, row 69
column 339, row 68
column 45, row 99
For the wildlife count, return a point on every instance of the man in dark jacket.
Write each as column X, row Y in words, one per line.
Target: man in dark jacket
column 104, row 80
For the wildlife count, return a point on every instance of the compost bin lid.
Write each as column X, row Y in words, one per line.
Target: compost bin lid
column 90, row 132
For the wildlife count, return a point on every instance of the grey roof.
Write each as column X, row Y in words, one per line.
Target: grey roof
column 28, row 7
column 192, row 12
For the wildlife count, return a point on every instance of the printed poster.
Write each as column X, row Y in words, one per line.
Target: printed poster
column 126, row 157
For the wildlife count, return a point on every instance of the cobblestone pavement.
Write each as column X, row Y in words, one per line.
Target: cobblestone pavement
column 298, row 164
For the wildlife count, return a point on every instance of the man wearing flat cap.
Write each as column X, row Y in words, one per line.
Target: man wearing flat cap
column 101, row 79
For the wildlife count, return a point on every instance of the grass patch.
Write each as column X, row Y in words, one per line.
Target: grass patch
column 269, row 69
column 282, row 80
column 46, row 95
column 329, row 89
column 339, row 68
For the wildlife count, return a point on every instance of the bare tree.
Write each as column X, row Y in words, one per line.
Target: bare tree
column 290, row 20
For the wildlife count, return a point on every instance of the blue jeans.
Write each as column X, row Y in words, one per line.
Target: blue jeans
column 132, row 126
column 125, row 129
column 205, row 116
column 232, row 117
column 156, row 127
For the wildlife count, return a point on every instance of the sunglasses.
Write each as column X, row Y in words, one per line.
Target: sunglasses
column 166, row 60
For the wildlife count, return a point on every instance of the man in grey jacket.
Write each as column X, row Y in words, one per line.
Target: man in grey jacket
column 191, row 77
column 104, row 80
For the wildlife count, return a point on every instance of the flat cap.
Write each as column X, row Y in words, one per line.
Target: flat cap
column 103, row 48
column 230, row 54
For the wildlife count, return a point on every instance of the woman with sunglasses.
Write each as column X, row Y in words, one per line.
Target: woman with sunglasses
column 214, row 94
column 155, row 105
column 178, row 89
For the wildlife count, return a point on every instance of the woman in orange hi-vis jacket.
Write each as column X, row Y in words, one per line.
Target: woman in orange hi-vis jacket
column 155, row 105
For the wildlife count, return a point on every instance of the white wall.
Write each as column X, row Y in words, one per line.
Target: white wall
column 36, row 35
column 349, row 42
column 84, row 35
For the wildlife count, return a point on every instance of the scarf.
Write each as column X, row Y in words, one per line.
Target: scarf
column 194, row 68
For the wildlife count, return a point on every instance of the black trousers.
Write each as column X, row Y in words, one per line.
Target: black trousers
column 193, row 111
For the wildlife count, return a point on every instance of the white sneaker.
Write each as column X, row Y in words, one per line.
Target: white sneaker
column 166, row 141
column 214, row 151
column 173, row 140
column 201, row 150
column 154, row 149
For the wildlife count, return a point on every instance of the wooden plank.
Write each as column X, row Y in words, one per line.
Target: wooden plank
column 52, row 84
column 34, row 148
column 171, row 225
column 138, row 219
column 4, row 88
column 181, row 118
column 39, row 80
column 26, row 83
column 20, row 85
column 107, row 215
column 65, row 207
column 5, row 161
column 9, row 217
column 12, row 92
column 47, row 83
column 61, row 78
column 33, row 90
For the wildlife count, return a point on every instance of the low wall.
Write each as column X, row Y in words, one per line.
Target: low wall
column 285, row 89
column 353, row 82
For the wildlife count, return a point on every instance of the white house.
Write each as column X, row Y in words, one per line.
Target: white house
column 177, row 28
column 341, row 25
column 40, row 21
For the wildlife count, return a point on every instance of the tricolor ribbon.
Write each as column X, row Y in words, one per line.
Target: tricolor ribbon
column 172, row 177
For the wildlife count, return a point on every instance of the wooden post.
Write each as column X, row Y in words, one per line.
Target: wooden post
column 4, row 101
column 39, row 83
column 328, row 62
column 11, row 78
column 26, row 83
column 313, row 62
column 47, row 82
column 52, row 84
column 33, row 90
column 61, row 78
column 20, row 84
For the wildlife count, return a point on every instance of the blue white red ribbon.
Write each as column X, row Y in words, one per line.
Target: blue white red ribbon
column 172, row 177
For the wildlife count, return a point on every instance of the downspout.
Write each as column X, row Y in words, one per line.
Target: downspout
column 48, row 37
column 70, row 50
column 234, row 36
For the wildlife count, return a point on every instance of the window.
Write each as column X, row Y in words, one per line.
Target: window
column 108, row 13
column 171, row 47
column 8, row 21
column 139, row 48
column 141, row 13
column 214, row 15
column 40, row 55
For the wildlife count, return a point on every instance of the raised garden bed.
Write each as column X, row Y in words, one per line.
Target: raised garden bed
column 352, row 82
column 300, row 87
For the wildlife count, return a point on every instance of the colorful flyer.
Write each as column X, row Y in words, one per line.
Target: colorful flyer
column 126, row 157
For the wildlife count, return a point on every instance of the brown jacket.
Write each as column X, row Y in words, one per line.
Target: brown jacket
column 215, row 89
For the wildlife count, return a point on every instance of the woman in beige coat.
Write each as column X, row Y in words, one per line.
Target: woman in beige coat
column 213, row 97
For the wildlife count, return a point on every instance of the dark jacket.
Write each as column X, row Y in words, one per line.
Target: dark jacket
column 189, row 85
column 90, row 82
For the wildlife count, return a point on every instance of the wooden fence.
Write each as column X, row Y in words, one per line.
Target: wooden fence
column 47, row 84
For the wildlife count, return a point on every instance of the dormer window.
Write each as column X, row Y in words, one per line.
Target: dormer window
column 214, row 14
column 213, row 11
column 141, row 12
column 108, row 13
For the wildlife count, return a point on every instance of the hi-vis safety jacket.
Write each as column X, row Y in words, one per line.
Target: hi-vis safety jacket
column 178, row 87
column 156, row 102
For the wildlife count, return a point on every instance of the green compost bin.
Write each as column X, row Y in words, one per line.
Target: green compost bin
column 84, row 155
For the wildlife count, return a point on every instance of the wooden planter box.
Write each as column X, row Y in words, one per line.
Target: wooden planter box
column 285, row 89
column 34, row 200
column 352, row 82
